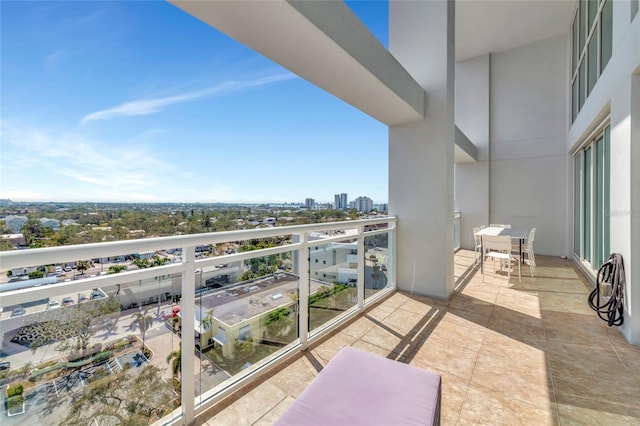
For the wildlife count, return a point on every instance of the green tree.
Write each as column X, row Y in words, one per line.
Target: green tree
column 175, row 359
column 143, row 321
column 207, row 320
column 36, row 274
column 116, row 269
column 83, row 265
column 158, row 261
column 6, row 245
column 129, row 398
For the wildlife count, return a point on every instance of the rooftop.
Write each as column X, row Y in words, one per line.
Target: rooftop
column 519, row 353
column 237, row 303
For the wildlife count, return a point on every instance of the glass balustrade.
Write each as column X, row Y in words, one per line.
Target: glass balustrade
column 158, row 330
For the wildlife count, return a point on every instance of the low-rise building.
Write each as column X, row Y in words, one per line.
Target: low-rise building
column 17, row 240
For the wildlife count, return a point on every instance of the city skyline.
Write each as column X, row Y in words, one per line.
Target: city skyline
column 101, row 102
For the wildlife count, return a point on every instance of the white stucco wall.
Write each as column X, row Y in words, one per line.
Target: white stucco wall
column 632, row 327
column 472, row 117
column 528, row 127
column 617, row 95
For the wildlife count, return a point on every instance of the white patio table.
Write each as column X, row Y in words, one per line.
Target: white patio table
column 514, row 233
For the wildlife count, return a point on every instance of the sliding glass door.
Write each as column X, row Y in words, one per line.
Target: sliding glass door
column 591, row 200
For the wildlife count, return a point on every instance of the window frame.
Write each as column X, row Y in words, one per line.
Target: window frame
column 586, row 39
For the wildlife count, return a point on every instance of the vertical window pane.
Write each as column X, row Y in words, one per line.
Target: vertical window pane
column 593, row 64
column 605, row 38
column 582, row 81
column 577, row 190
column 574, row 100
column 593, row 10
column 582, row 8
column 598, row 213
column 606, row 188
column 575, row 53
column 587, row 207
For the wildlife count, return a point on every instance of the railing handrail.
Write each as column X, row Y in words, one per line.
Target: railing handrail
column 48, row 255
column 185, row 269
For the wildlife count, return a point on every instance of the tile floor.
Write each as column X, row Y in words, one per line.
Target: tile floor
column 529, row 353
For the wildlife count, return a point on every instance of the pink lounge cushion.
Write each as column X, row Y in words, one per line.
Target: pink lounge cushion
column 360, row 388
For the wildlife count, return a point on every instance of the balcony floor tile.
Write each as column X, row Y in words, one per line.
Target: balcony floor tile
column 527, row 352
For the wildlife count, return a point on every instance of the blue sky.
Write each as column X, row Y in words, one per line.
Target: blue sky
column 137, row 101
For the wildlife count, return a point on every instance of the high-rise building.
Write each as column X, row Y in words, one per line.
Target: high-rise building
column 363, row 204
column 309, row 203
column 341, row 201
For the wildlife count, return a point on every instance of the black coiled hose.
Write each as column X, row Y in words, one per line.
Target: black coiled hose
column 610, row 310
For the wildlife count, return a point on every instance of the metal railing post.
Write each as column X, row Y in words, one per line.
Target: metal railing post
column 187, row 311
column 362, row 259
column 303, row 291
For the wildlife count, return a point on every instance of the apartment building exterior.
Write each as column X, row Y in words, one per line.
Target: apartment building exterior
column 529, row 100
column 340, row 201
column 533, row 107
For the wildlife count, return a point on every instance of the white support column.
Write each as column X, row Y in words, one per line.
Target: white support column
column 361, row 264
column 187, row 310
column 303, row 291
column 421, row 37
column 632, row 262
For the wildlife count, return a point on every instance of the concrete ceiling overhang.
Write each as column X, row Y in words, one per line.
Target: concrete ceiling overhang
column 324, row 43
column 492, row 26
column 464, row 150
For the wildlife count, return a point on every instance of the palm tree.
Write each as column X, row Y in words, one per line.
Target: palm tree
column 143, row 320
column 207, row 320
column 175, row 358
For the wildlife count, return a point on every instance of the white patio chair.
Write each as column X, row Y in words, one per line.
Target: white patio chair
column 499, row 247
column 527, row 248
column 478, row 242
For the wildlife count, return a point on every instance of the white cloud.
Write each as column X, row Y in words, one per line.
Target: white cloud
column 154, row 105
column 47, row 165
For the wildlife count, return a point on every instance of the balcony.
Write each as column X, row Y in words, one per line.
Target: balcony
column 531, row 351
column 509, row 353
column 182, row 321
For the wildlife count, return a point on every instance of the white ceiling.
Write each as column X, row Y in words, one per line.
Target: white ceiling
column 491, row 26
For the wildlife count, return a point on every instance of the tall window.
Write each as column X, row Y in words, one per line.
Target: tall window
column 591, row 47
column 591, row 200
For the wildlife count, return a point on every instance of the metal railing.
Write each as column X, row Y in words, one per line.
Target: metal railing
column 252, row 310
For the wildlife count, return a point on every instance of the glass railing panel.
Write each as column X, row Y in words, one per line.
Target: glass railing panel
column 333, row 279
column 456, row 230
column 377, row 263
column 77, row 348
column 110, row 326
column 241, row 322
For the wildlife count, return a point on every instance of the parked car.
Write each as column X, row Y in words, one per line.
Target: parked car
column 67, row 268
column 53, row 304
column 5, row 365
column 82, row 298
column 18, row 312
column 67, row 301
column 95, row 294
